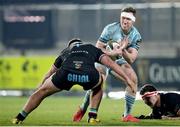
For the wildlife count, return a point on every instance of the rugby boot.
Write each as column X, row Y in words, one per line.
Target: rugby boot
column 16, row 121
column 78, row 115
column 130, row 118
column 93, row 120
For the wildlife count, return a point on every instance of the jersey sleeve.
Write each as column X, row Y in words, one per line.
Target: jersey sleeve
column 99, row 54
column 136, row 42
column 105, row 35
column 156, row 113
column 59, row 60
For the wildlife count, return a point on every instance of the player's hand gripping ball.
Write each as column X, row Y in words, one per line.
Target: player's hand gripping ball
column 111, row 45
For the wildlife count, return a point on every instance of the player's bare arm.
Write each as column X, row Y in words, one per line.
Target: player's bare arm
column 130, row 55
column 170, row 118
column 102, row 46
column 124, row 43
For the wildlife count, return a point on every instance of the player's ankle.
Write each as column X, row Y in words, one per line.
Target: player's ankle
column 92, row 115
column 20, row 117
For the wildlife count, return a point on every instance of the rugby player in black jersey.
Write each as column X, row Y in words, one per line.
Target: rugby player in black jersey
column 164, row 105
column 75, row 65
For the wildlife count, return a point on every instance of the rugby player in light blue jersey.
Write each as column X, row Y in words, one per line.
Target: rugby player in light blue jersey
column 128, row 39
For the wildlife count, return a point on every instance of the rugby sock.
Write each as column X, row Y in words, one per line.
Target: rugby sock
column 22, row 115
column 86, row 100
column 92, row 113
column 128, row 104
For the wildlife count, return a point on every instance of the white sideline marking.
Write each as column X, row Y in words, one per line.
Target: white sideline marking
column 120, row 94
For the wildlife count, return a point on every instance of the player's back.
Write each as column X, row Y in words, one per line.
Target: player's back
column 170, row 102
column 82, row 57
column 171, row 98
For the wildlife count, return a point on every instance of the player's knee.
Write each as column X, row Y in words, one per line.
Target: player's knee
column 131, row 91
column 101, row 69
column 135, row 86
column 134, row 78
column 97, row 88
column 42, row 92
column 35, row 96
column 130, row 72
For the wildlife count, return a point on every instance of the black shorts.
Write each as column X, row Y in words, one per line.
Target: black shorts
column 65, row 79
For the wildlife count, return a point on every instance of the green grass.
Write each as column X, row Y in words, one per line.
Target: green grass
column 58, row 111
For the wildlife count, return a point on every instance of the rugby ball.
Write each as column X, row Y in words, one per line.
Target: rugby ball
column 110, row 45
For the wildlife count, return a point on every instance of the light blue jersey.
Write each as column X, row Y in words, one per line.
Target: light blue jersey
column 114, row 32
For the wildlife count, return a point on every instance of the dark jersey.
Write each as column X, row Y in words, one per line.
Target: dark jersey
column 80, row 57
column 76, row 66
column 170, row 104
column 61, row 57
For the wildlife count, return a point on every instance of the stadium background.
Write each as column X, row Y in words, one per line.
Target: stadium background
column 32, row 34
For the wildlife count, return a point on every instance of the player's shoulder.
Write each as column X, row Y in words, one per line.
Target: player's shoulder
column 113, row 25
column 171, row 99
column 135, row 30
column 135, row 34
column 171, row 95
column 89, row 45
column 65, row 51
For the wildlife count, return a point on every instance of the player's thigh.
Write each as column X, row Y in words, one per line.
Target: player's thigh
column 117, row 76
column 48, row 88
column 102, row 69
column 127, row 68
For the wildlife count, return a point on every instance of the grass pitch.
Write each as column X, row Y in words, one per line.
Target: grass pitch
column 58, row 111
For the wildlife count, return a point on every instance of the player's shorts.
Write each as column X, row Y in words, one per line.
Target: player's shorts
column 65, row 79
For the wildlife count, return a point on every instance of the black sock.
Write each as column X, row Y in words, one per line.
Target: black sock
column 20, row 117
column 92, row 115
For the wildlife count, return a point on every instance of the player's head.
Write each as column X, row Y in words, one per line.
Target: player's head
column 147, row 88
column 149, row 95
column 74, row 42
column 127, row 18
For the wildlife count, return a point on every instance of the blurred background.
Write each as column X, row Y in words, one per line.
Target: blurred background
column 32, row 34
